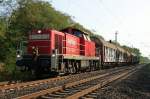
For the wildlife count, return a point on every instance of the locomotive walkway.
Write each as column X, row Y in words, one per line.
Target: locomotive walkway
column 68, row 87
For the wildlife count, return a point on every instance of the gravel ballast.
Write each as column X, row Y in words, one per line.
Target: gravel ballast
column 136, row 86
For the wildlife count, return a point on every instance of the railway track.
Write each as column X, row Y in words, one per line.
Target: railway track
column 4, row 83
column 60, row 87
column 8, row 83
column 19, row 89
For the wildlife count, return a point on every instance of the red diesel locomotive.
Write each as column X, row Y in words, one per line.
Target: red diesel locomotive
column 70, row 51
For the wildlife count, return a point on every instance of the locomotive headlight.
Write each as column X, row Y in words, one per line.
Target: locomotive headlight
column 39, row 31
column 18, row 56
column 53, row 55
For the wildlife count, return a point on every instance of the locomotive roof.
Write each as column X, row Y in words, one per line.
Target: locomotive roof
column 74, row 29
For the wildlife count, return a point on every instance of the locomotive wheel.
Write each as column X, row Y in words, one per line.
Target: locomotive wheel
column 66, row 69
column 24, row 68
column 72, row 69
column 32, row 72
column 76, row 67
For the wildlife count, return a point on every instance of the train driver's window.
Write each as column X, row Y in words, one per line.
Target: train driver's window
column 77, row 33
column 88, row 38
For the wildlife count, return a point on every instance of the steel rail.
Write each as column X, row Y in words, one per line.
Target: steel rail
column 95, row 87
column 53, row 84
column 62, row 87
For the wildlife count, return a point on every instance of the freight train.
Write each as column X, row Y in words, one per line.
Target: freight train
column 70, row 51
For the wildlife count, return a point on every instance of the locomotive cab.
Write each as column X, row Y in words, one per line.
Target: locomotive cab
column 39, row 50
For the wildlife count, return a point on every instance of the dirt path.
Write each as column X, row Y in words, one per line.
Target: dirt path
column 136, row 86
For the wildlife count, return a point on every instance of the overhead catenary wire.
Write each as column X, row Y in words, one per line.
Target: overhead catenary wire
column 117, row 18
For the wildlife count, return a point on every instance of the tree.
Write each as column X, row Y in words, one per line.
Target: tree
column 144, row 59
column 24, row 17
column 133, row 50
column 7, row 6
column 34, row 14
column 2, row 27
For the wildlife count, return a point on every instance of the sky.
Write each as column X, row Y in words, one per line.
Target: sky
column 131, row 18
